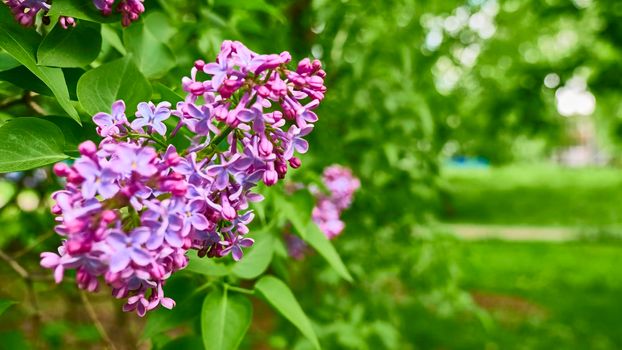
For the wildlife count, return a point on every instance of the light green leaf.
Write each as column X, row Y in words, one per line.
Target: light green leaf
column 206, row 266
column 111, row 37
column 27, row 143
column 225, row 318
column 82, row 10
column 5, row 304
column 153, row 56
column 297, row 209
column 256, row 5
column 72, row 47
column 282, row 299
column 316, row 238
column 257, row 258
column 99, row 88
column 22, row 45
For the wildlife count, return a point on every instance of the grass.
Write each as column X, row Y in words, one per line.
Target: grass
column 534, row 195
column 539, row 296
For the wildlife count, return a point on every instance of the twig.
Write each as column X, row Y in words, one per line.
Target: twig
column 100, row 327
column 34, row 244
column 10, row 102
column 28, row 280
column 32, row 104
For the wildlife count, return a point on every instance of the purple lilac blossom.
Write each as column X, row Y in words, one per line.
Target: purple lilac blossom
column 133, row 207
column 341, row 185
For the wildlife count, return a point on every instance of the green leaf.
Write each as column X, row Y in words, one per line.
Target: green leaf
column 167, row 94
column 297, row 209
column 225, row 319
column 7, row 62
column 74, row 134
column 72, row 47
column 5, row 304
column 282, row 299
column 256, row 5
column 22, row 45
column 111, row 37
column 21, row 77
column 153, row 56
column 82, row 10
column 257, row 258
column 27, row 143
column 316, row 238
column 206, row 266
column 187, row 296
column 99, row 88
column 185, row 342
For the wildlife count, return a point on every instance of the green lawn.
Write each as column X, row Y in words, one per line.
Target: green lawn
column 535, row 195
column 539, row 296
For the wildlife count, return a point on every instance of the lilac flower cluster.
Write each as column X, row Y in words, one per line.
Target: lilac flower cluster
column 133, row 205
column 341, row 185
column 25, row 11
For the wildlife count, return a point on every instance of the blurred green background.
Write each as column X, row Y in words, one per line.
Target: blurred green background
column 486, row 135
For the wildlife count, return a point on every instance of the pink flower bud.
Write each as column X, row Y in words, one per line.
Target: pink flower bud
column 87, row 148
column 295, row 162
column 61, row 169
column 270, row 177
column 199, row 64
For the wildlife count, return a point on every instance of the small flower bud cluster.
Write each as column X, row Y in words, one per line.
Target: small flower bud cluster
column 25, row 11
column 133, row 205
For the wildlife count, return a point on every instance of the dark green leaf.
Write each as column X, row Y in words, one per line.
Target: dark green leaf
column 99, row 88
column 206, row 266
column 27, row 143
column 257, row 258
column 225, row 318
column 21, row 77
column 82, row 10
column 71, row 47
column 282, row 299
column 184, row 292
column 7, row 62
column 74, row 134
column 5, row 304
column 22, row 45
column 185, row 342
column 151, row 54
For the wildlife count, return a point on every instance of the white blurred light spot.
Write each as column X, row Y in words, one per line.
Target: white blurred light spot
column 27, row 201
column 574, row 99
column 551, row 80
column 434, row 39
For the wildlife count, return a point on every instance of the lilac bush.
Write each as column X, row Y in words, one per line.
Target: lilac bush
column 134, row 205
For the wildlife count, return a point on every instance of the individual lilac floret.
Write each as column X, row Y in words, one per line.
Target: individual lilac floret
column 111, row 124
column 149, row 115
column 104, row 6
